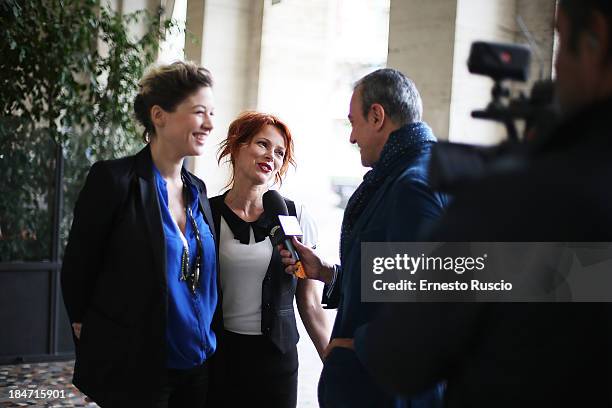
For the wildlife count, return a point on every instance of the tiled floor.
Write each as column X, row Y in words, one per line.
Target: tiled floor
column 55, row 376
column 58, row 376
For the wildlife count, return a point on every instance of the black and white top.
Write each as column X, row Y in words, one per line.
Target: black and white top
column 245, row 251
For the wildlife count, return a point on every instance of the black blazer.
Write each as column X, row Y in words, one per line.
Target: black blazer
column 114, row 280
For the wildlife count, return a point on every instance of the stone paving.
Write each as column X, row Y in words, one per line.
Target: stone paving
column 57, row 376
column 32, row 379
column 20, row 379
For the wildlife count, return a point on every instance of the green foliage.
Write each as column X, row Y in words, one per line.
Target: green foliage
column 68, row 75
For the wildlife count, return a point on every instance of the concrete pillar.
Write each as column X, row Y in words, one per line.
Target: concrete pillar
column 430, row 42
column 471, row 92
column 228, row 34
column 421, row 45
column 194, row 24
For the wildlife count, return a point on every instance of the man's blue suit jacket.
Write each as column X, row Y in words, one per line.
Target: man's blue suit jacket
column 401, row 210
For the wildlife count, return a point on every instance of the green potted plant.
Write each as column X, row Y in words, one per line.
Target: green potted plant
column 64, row 104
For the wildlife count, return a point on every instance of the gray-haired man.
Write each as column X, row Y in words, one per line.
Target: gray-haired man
column 393, row 203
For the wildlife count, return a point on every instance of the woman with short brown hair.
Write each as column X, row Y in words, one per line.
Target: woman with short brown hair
column 139, row 275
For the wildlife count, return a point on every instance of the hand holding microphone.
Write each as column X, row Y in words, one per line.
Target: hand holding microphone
column 299, row 260
column 298, row 270
column 285, row 227
column 309, row 262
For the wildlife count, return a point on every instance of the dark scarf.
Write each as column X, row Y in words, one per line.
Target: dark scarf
column 403, row 145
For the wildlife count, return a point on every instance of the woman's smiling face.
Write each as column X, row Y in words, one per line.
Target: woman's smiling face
column 189, row 125
column 260, row 160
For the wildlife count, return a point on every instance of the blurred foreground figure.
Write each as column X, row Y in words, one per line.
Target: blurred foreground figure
column 523, row 355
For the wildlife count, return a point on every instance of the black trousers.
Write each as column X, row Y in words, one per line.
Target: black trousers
column 183, row 388
column 254, row 373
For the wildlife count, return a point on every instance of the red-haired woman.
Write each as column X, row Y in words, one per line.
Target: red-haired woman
column 257, row 360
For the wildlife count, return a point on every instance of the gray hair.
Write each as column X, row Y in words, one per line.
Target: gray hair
column 396, row 93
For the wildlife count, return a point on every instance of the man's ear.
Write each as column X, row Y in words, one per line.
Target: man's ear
column 158, row 116
column 376, row 116
column 598, row 38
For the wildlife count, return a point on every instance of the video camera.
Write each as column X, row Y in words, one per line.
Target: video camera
column 454, row 165
column 510, row 61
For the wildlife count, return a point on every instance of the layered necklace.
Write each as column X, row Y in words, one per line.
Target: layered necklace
column 191, row 275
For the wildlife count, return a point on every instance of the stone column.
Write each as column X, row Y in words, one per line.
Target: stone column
column 421, row 45
column 430, row 42
column 228, row 43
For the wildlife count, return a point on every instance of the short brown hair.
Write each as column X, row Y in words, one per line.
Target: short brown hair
column 242, row 130
column 167, row 86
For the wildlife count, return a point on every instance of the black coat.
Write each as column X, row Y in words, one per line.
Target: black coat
column 514, row 355
column 114, row 280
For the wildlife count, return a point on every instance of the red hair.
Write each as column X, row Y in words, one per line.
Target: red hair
column 242, row 130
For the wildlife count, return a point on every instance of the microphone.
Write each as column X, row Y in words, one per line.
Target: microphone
column 284, row 227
